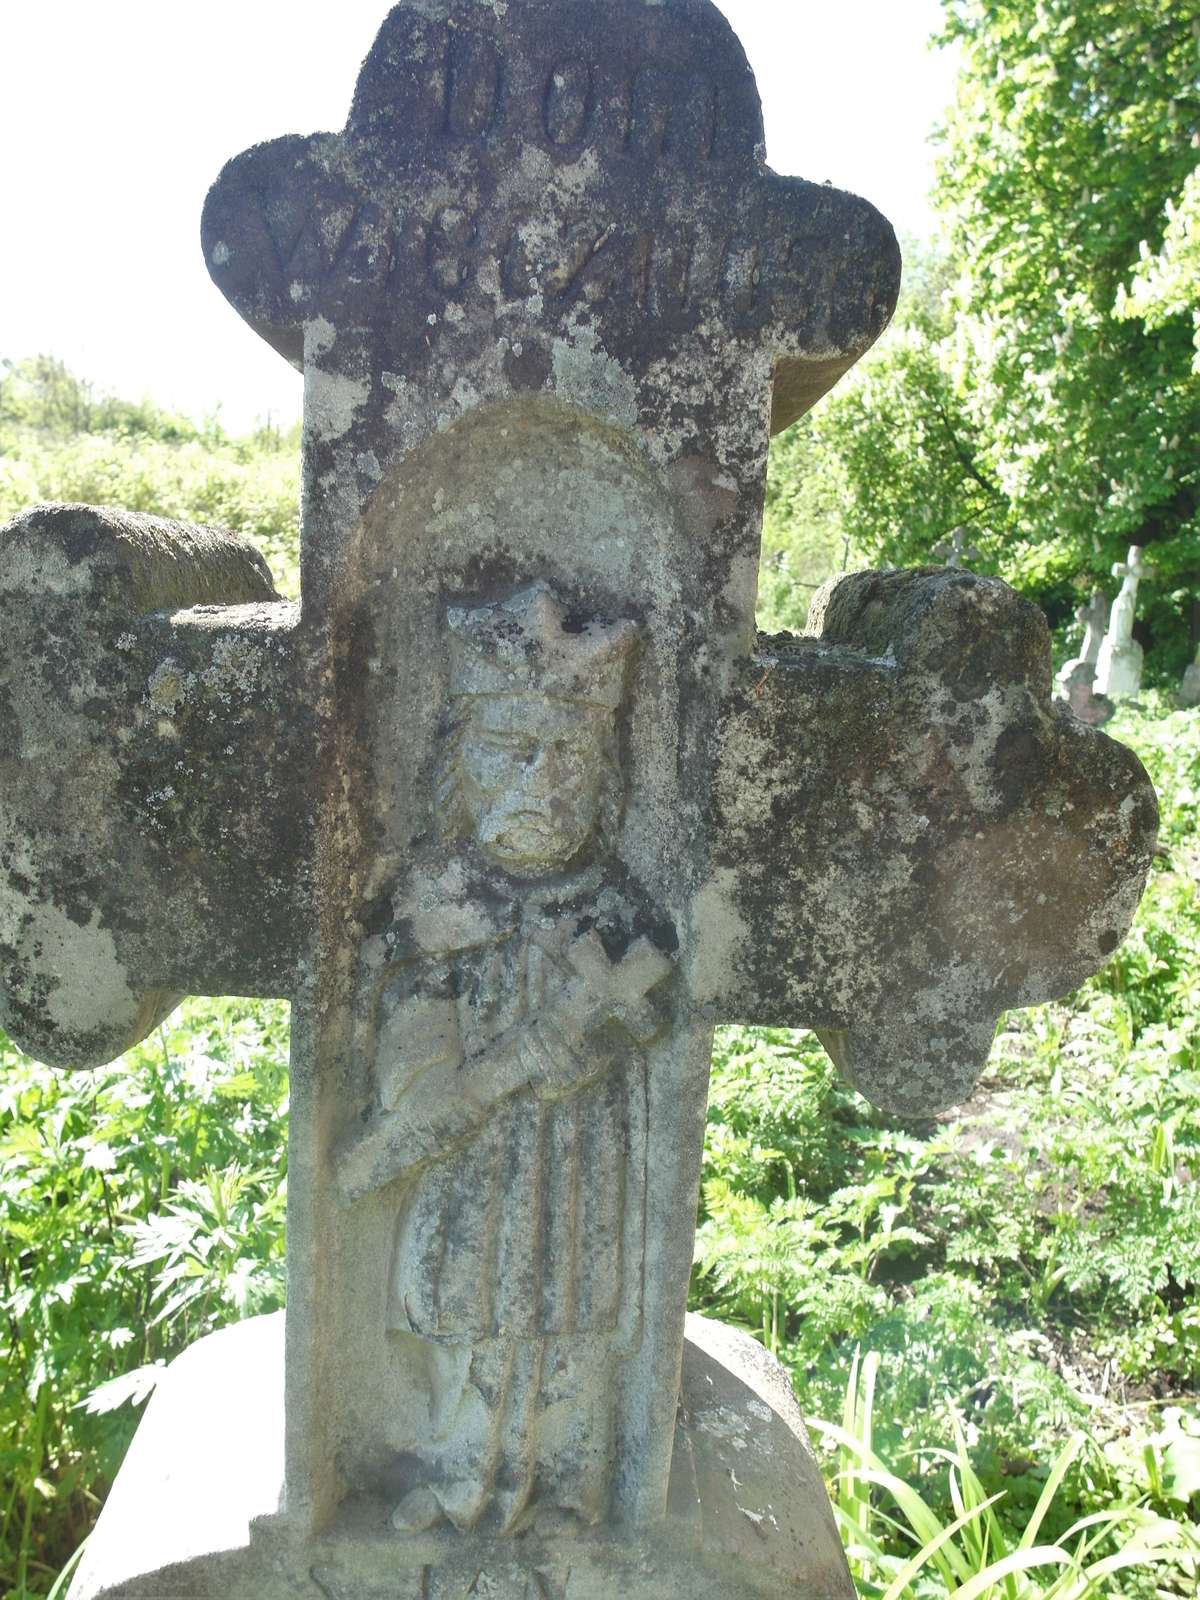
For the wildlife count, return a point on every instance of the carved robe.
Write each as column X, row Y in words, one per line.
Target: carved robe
column 511, row 1099
column 531, row 1226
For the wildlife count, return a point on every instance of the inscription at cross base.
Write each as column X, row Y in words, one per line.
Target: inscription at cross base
column 428, row 1584
column 517, row 805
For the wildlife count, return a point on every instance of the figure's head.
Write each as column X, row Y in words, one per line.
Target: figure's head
column 532, row 762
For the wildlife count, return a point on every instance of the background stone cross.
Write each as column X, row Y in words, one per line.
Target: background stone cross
column 1094, row 617
column 1119, row 665
column 955, row 551
column 549, row 303
column 1133, row 570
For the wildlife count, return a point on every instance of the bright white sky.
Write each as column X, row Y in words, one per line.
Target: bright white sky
column 115, row 117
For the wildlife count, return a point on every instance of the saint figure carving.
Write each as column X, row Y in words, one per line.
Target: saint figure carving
column 509, row 1065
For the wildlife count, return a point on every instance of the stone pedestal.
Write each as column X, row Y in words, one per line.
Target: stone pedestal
column 194, row 1515
column 1119, row 672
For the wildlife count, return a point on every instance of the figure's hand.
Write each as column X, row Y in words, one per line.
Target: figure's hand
column 574, row 1036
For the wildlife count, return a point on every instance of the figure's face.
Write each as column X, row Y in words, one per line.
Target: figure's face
column 533, row 776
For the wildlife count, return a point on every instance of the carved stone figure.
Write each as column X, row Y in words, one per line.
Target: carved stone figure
column 515, row 807
column 1076, row 678
column 510, row 1081
column 1119, row 667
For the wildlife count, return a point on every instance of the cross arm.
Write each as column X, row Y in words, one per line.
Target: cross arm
column 153, row 813
column 912, row 838
column 828, row 266
column 283, row 226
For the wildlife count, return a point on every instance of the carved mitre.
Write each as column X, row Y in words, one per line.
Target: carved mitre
column 525, row 646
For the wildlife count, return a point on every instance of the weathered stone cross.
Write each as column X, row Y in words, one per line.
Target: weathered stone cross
column 515, row 807
column 1076, row 678
column 954, row 550
column 1094, row 617
column 1120, row 659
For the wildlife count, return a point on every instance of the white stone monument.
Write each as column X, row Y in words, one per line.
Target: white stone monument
column 1189, row 689
column 1077, row 678
column 1119, row 667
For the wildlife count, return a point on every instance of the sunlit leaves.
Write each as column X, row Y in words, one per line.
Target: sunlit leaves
column 1044, row 397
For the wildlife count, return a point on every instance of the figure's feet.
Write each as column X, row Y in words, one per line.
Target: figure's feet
column 418, row 1512
column 556, row 1522
column 451, row 1504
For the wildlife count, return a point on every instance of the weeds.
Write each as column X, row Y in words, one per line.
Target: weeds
column 141, row 1205
column 970, row 1552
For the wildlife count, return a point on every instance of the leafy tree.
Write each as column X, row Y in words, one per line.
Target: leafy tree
column 886, row 467
column 1167, row 285
column 1048, row 401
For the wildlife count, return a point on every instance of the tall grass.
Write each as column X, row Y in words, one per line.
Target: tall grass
column 971, row 1553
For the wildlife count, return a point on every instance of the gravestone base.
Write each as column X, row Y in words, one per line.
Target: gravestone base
column 1119, row 672
column 1077, row 687
column 194, row 1512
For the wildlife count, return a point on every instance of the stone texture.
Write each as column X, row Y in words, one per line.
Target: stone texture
column 913, row 837
column 184, row 1529
column 516, row 806
column 143, row 676
column 1076, row 679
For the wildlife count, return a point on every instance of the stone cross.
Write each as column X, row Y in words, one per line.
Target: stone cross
column 515, row 806
column 1189, row 689
column 1094, row 617
column 1119, row 666
column 1076, row 678
column 954, row 551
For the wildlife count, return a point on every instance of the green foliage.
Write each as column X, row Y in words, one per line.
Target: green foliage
column 839, row 485
column 977, row 1555
column 59, row 442
column 141, row 1206
column 1069, row 136
column 1043, row 394
column 1167, row 285
column 802, row 546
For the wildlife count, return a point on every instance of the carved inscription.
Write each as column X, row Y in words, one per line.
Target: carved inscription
column 450, row 239
column 655, row 110
column 673, row 114
column 669, row 271
column 570, row 102
column 428, row 1583
column 472, row 77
